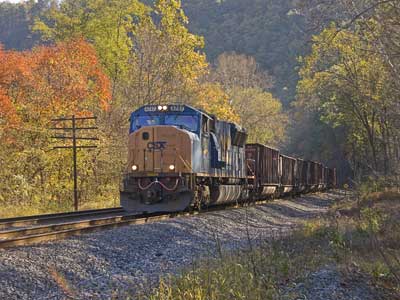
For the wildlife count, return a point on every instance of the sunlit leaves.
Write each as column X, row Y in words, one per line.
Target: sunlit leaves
column 61, row 79
column 106, row 24
column 345, row 79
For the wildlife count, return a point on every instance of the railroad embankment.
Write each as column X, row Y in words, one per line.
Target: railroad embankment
column 315, row 246
column 351, row 252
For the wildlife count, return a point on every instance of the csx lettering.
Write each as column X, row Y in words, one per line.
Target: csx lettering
column 156, row 145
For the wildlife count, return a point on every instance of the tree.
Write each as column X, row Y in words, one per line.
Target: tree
column 347, row 81
column 261, row 114
column 109, row 25
column 16, row 20
column 165, row 63
column 245, row 84
column 271, row 31
column 238, row 70
column 214, row 100
column 35, row 86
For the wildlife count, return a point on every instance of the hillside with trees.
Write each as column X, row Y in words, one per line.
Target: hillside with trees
column 272, row 31
column 319, row 78
column 106, row 59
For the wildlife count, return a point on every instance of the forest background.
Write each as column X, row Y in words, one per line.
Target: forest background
column 318, row 79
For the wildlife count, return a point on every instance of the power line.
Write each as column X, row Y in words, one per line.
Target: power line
column 74, row 138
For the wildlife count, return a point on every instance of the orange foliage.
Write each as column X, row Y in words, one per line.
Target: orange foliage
column 49, row 81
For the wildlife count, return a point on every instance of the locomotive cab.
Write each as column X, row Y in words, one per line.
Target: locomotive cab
column 163, row 142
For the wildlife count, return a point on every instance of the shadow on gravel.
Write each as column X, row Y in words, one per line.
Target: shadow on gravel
column 314, row 201
column 252, row 218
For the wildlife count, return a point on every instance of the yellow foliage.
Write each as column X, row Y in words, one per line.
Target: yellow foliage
column 212, row 99
column 261, row 115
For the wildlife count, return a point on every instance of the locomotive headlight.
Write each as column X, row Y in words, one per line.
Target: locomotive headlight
column 172, row 167
column 134, row 167
column 165, row 107
column 159, row 107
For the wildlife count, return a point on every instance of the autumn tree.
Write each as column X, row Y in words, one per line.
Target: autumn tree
column 108, row 25
column 239, row 70
column 165, row 62
column 246, row 85
column 261, row 114
column 150, row 56
column 347, row 81
column 35, row 86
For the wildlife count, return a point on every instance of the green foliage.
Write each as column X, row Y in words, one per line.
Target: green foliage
column 371, row 220
column 348, row 83
column 107, row 24
column 261, row 114
column 16, row 20
column 165, row 63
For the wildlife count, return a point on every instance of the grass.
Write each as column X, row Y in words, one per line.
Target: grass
column 360, row 235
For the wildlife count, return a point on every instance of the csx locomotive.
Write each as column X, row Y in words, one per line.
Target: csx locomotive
column 182, row 158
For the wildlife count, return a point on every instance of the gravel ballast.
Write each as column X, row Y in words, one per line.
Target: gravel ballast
column 121, row 261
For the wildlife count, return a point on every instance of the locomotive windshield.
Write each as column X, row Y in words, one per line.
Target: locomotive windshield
column 188, row 122
column 141, row 121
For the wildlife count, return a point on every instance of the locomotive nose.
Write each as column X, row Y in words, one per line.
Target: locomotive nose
column 160, row 149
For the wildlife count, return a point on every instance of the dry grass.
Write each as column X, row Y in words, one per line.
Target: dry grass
column 256, row 274
column 62, row 283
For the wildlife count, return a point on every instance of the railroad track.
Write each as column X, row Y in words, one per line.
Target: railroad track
column 23, row 231
column 36, row 234
column 51, row 218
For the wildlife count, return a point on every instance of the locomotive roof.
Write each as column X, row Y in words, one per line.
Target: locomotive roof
column 177, row 108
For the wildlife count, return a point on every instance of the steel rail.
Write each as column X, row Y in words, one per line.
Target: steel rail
column 60, row 231
column 41, row 219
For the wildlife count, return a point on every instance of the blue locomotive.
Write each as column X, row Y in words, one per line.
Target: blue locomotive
column 181, row 157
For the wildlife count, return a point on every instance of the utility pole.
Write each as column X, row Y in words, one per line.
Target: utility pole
column 74, row 146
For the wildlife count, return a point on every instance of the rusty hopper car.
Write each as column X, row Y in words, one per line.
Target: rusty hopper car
column 180, row 157
column 287, row 173
column 312, row 176
column 331, row 178
column 301, row 175
column 263, row 170
column 320, row 175
column 325, row 177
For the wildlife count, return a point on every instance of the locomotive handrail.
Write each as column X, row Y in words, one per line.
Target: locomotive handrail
column 168, row 189
column 160, row 183
column 148, row 186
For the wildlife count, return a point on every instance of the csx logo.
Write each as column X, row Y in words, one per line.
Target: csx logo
column 156, row 145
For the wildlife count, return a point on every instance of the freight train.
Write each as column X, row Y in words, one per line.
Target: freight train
column 181, row 158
